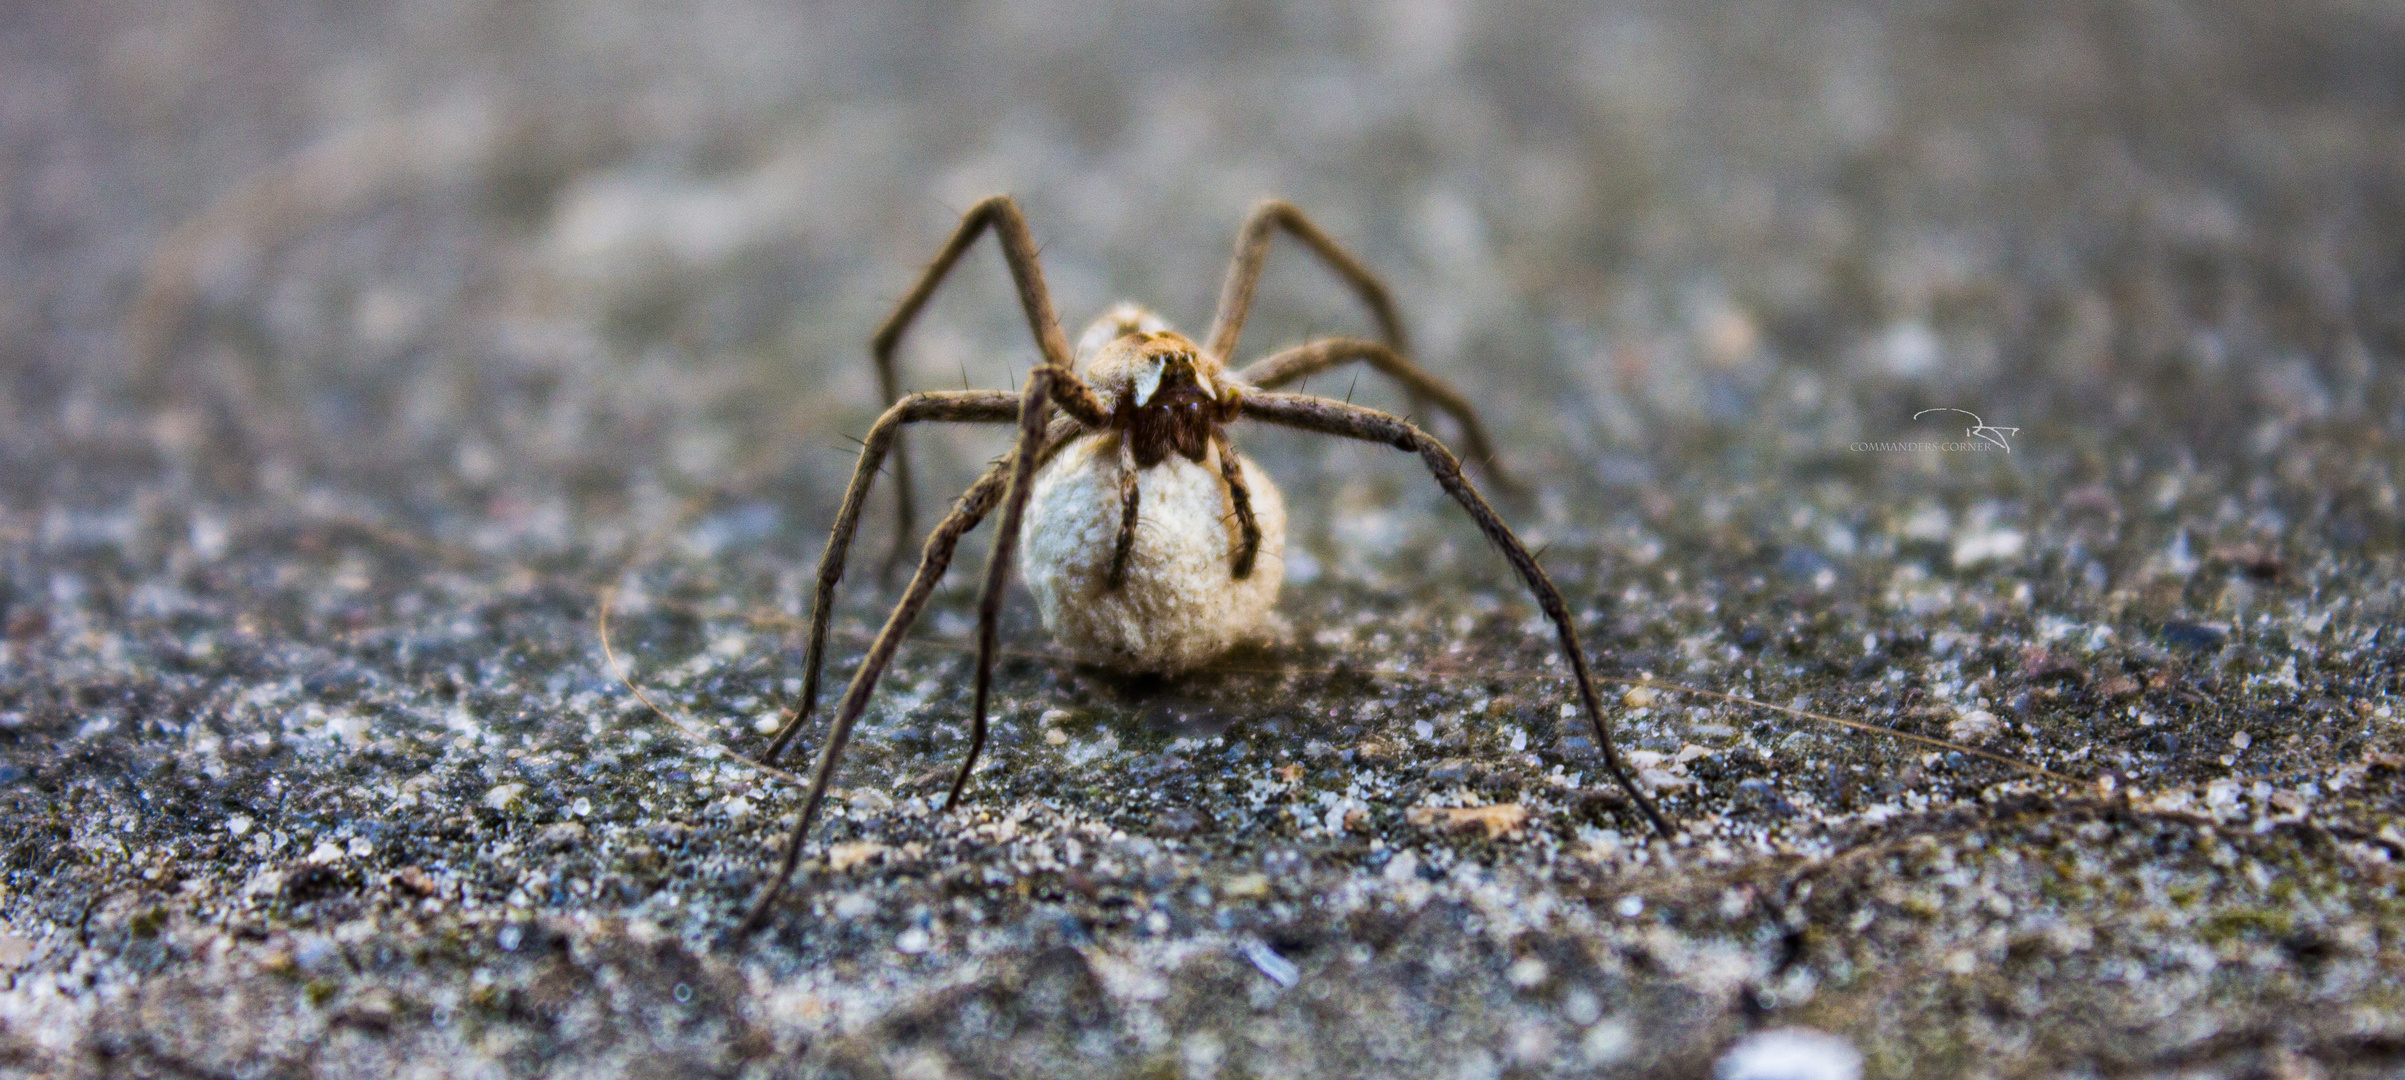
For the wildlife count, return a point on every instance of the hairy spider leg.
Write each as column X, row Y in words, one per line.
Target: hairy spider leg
column 831, row 566
column 1064, row 431
column 1019, row 254
column 1036, row 445
column 1369, row 425
column 1267, row 218
column 1050, row 383
column 1248, row 528
column 972, row 508
column 1272, row 216
column 1304, row 361
column 1130, row 501
column 936, row 557
column 1046, row 386
column 1240, row 500
column 957, row 406
column 1032, row 408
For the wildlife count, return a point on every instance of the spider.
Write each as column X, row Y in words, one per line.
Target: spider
column 1151, row 545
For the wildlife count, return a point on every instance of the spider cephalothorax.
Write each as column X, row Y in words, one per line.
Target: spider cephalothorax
column 1149, row 542
column 1161, row 391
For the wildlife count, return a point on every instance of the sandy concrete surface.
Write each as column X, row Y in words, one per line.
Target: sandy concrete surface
column 356, row 353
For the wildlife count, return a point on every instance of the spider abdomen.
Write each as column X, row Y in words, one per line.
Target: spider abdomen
column 1180, row 604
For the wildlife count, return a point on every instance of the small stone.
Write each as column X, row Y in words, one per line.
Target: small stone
column 1183, row 821
column 1581, row 1007
column 1499, row 819
column 1790, row 1054
column 1245, row 887
column 1607, row 1042
column 1971, row 549
column 415, row 880
column 1662, row 780
column 1279, row 969
column 842, row 857
column 1973, row 726
column 502, row 795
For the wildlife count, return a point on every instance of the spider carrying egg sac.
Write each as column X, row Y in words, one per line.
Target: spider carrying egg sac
column 1180, row 604
column 1179, row 607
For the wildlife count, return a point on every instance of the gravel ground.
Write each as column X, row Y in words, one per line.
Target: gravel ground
column 355, row 354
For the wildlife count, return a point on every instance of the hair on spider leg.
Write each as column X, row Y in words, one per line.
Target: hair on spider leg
column 1134, row 445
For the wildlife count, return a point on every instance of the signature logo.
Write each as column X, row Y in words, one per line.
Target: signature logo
column 1979, row 429
column 1980, row 437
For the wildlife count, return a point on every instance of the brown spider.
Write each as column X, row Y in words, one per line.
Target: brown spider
column 1153, row 545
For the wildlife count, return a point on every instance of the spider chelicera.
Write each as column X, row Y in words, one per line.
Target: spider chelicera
column 1149, row 543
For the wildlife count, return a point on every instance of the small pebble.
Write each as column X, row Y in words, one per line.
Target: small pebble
column 1790, row 1054
column 1279, row 969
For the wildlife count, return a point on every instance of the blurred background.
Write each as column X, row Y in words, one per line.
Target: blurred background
column 512, row 272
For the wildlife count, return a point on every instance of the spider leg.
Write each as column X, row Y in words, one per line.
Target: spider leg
column 1019, row 253
column 1303, row 361
column 934, row 559
column 1129, row 497
column 1064, row 430
column 1267, row 218
column 831, row 564
column 963, row 406
column 1369, row 425
column 972, row 508
column 1248, row 529
column 1043, row 385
